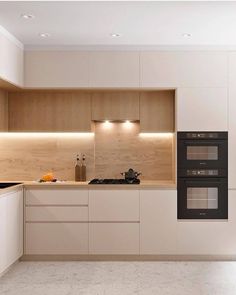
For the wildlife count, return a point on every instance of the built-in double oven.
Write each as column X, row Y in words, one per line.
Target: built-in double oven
column 202, row 175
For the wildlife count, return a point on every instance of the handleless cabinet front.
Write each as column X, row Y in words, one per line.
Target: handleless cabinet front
column 114, row 221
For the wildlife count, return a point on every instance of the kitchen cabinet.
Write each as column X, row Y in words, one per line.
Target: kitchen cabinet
column 158, row 222
column 11, row 59
column 208, row 237
column 56, row 221
column 157, row 111
column 3, row 111
column 115, row 105
column 183, row 69
column 114, row 221
column 202, row 109
column 56, row 69
column 49, row 111
column 114, row 205
column 114, row 238
column 114, row 69
column 11, row 228
column 232, row 120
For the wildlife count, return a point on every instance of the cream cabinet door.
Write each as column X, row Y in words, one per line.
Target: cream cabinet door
column 183, row 69
column 114, row 69
column 158, row 221
column 209, row 237
column 232, row 120
column 57, row 69
column 11, row 60
column 202, row 109
column 11, row 228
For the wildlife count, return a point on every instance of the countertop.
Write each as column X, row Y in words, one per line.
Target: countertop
column 145, row 184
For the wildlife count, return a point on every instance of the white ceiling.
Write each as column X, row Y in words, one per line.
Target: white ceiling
column 139, row 23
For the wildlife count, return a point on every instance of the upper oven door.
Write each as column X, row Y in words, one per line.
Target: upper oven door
column 202, row 154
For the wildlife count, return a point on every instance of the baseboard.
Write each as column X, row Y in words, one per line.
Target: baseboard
column 128, row 258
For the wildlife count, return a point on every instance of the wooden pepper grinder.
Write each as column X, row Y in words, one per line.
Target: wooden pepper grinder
column 78, row 169
column 83, row 169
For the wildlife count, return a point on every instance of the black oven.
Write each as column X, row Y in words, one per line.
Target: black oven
column 202, row 175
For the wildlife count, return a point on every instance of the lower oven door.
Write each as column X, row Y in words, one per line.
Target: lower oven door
column 202, row 198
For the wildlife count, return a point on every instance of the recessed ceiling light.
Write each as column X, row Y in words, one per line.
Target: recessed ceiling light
column 115, row 35
column 44, row 35
column 27, row 16
column 186, row 35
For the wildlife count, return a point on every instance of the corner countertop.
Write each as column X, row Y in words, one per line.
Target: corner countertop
column 145, row 184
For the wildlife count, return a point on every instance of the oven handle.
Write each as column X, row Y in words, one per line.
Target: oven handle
column 206, row 181
column 202, row 142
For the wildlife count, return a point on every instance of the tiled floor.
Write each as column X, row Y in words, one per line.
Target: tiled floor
column 120, row 278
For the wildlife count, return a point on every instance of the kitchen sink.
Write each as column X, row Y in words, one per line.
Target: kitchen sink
column 8, row 184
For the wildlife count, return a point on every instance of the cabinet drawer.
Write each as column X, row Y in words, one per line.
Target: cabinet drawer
column 114, row 205
column 56, row 238
column 56, row 213
column 56, row 197
column 114, row 238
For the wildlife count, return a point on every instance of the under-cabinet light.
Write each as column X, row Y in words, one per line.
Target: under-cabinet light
column 27, row 16
column 45, row 134
column 160, row 135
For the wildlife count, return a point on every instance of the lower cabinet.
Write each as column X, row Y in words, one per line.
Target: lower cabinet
column 158, row 222
column 11, row 228
column 56, row 221
column 209, row 237
column 56, row 238
column 114, row 238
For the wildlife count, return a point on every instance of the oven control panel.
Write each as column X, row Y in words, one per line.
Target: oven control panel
column 202, row 172
column 201, row 135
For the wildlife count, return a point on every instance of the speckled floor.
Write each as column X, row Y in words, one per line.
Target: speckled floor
column 120, row 278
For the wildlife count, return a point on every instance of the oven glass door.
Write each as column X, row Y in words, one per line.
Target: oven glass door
column 202, row 198
column 202, row 154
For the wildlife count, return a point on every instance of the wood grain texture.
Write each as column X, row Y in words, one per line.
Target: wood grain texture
column 52, row 111
column 115, row 105
column 120, row 147
column 157, row 111
column 3, row 110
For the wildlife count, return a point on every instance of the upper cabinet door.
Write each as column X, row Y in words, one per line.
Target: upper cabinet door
column 115, row 105
column 114, row 69
column 157, row 111
column 183, row 69
column 11, row 61
column 56, row 69
column 202, row 109
column 49, row 112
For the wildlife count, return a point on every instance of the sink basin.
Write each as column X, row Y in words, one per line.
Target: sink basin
column 8, row 184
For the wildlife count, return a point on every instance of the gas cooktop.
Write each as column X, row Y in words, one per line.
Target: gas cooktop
column 114, row 181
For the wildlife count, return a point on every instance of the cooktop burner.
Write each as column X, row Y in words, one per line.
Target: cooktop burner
column 114, row 181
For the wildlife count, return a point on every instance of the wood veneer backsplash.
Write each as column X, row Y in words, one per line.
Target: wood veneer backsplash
column 111, row 150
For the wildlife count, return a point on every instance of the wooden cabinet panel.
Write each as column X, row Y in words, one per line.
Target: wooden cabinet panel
column 158, row 221
column 3, row 110
column 116, row 105
column 114, row 69
column 56, row 238
column 183, row 69
column 56, row 214
column 11, row 228
column 202, row 109
column 157, row 111
column 114, row 238
column 56, row 69
column 52, row 111
column 56, row 196
column 114, row 205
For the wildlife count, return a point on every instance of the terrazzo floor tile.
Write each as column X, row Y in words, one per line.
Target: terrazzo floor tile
column 120, row 278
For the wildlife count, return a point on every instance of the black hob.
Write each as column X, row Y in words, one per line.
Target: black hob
column 114, row 181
